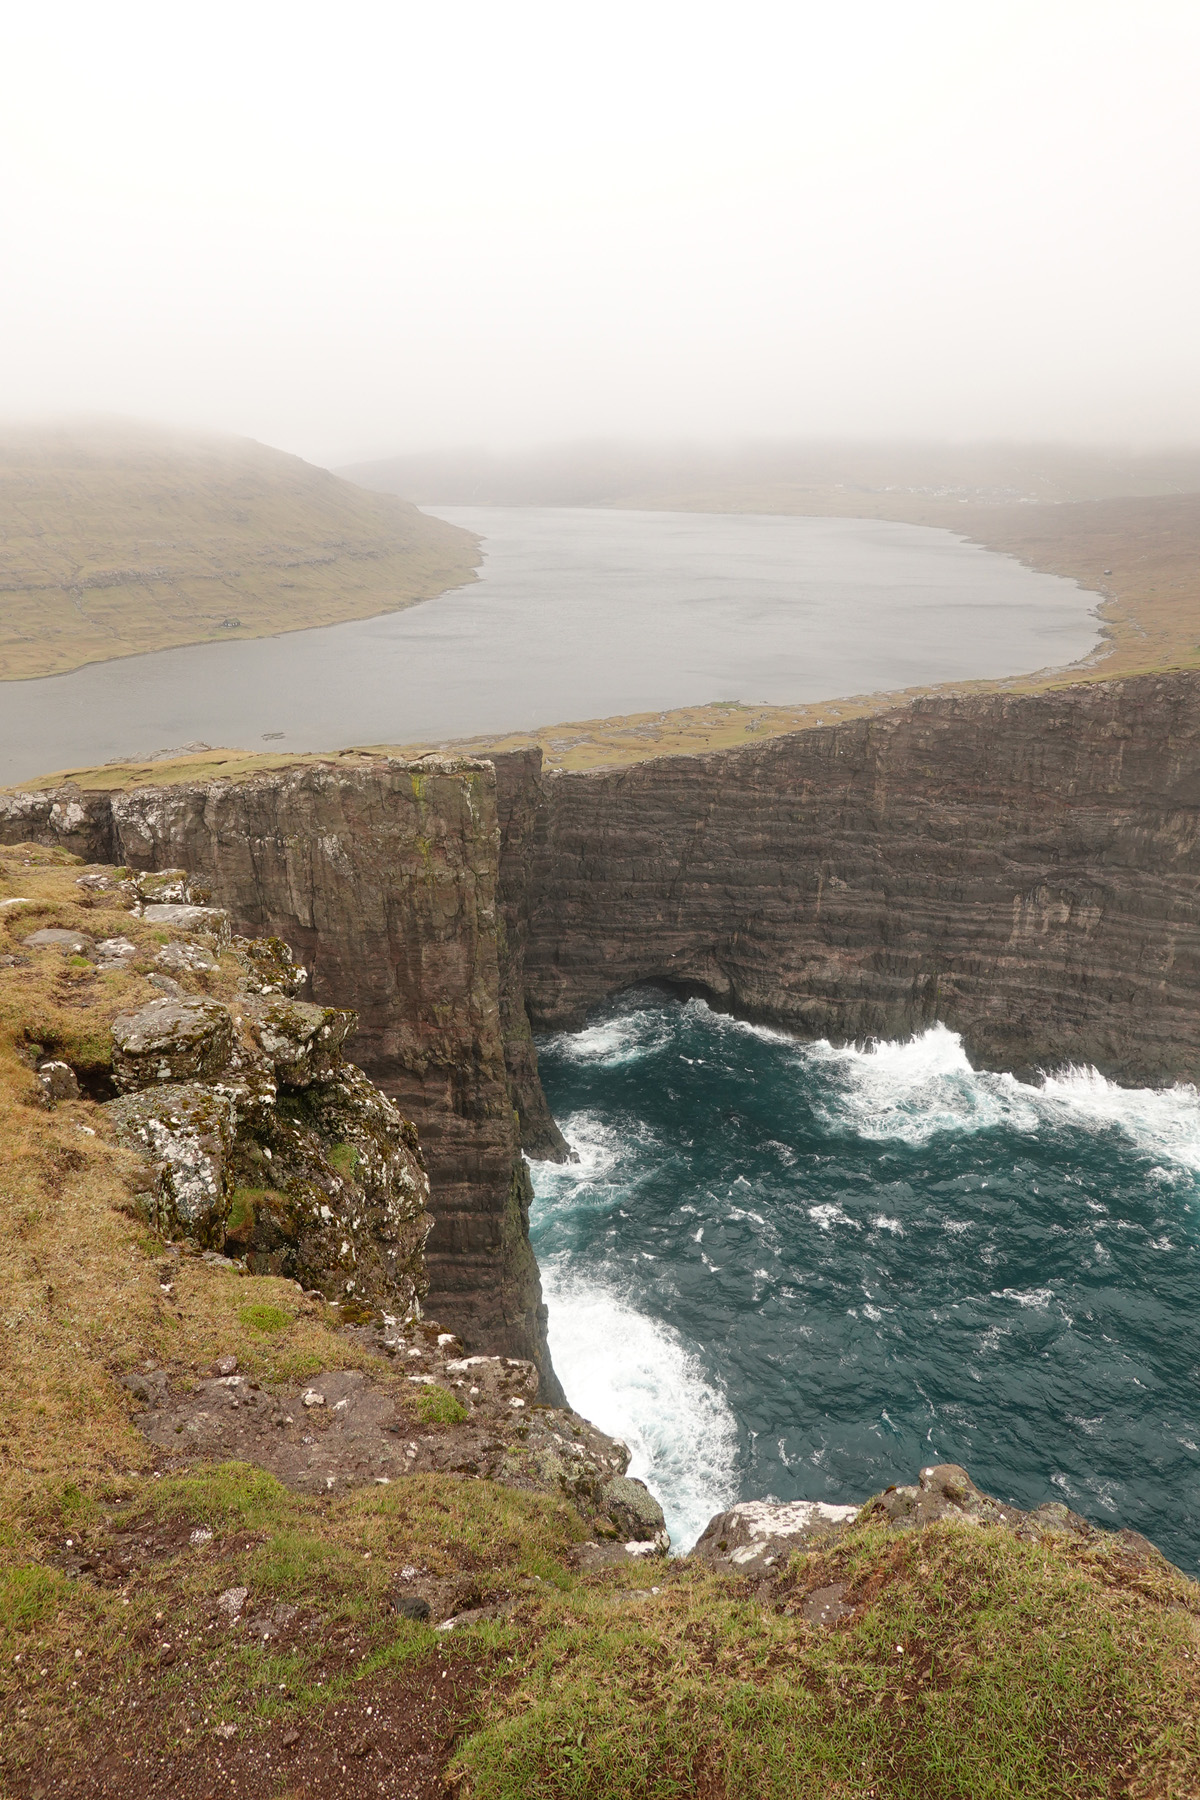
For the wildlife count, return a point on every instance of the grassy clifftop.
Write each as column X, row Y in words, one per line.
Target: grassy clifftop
column 117, row 539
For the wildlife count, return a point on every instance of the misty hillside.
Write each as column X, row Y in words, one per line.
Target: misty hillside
column 118, row 538
column 900, row 480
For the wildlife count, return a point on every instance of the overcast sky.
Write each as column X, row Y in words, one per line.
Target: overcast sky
column 357, row 228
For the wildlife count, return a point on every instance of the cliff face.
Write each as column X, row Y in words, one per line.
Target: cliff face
column 384, row 883
column 1025, row 869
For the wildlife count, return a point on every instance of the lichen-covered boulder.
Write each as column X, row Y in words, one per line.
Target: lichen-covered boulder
column 57, row 1081
column 159, row 887
column 636, row 1513
column 51, row 937
column 186, row 1132
column 171, row 1040
column 115, row 952
column 295, row 1161
column 269, row 966
column 187, row 958
column 202, row 921
column 301, row 1040
column 758, row 1534
column 330, row 1190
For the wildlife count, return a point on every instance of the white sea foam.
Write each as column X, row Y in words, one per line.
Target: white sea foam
column 1164, row 1123
column 912, row 1090
column 828, row 1214
column 624, row 1038
column 636, row 1380
column 1039, row 1297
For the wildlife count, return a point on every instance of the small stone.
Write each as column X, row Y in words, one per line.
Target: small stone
column 310, row 1397
column 225, row 1365
column 411, row 1606
column 232, row 1601
column 58, row 1081
column 290, row 1738
column 826, row 1605
column 224, row 1731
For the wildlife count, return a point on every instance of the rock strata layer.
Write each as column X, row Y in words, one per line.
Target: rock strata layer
column 1024, row 869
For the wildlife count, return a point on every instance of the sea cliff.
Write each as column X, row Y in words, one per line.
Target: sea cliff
column 1023, row 868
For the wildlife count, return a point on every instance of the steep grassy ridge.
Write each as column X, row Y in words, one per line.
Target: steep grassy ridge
column 118, row 539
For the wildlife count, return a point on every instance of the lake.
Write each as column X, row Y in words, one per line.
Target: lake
column 580, row 614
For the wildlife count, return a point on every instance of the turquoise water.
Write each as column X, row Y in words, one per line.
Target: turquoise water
column 794, row 1270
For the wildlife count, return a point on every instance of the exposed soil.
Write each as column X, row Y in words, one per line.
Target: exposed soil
column 391, row 1737
column 341, row 1430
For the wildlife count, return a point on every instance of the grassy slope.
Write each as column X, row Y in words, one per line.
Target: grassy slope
column 81, row 1302
column 120, row 539
column 973, row 1667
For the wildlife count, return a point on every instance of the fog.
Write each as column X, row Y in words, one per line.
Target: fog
column 373, row 228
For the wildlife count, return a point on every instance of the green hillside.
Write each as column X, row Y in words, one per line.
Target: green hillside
column 118, row 538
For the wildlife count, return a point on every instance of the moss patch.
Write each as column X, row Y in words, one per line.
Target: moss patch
column 260, row 1316
column 436, row 1406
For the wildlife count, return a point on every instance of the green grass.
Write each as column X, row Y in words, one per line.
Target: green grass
column 334, row 1560
column 976, row 1667
column 344, row 1158
column 259, row 1315
column 437, row 1406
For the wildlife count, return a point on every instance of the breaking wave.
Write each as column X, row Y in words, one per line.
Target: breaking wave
column 914, row 1089
column 796, row 1269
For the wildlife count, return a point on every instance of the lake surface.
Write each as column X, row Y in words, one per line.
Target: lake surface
column 580, row 614
column 782, row 1268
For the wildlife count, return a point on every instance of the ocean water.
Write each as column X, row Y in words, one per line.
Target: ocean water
column 794, row 1270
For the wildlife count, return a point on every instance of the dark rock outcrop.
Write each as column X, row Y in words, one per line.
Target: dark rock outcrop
column 261, row 1140
column 386, row 881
